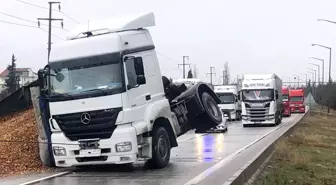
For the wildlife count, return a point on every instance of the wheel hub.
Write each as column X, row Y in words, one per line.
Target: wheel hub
column 162, row 147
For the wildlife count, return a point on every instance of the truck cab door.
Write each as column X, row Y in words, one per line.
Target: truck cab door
column 137, row 90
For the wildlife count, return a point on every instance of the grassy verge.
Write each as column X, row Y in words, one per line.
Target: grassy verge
column 308, row 156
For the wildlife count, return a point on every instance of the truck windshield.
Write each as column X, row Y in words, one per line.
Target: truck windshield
column 296, row 98
column 226, row 98
column 258, row 95
column 285, row 97
column 95, row 74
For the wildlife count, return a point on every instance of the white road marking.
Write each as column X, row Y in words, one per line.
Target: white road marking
column 45, row 178
column 222, row 162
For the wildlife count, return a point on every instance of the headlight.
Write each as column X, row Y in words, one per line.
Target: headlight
column 124, row 147
column 59, row 151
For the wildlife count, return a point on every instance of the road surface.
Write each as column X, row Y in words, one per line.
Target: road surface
column 195, row 154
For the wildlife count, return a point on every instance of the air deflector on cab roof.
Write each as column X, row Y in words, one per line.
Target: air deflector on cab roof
column 112, row 25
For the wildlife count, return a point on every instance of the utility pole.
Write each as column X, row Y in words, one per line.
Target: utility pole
column 211, row 73
column 50, row 19
column 223, row 78
column 184, row 64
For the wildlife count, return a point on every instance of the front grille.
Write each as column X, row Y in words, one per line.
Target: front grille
column 257, row 114
column 101, row 125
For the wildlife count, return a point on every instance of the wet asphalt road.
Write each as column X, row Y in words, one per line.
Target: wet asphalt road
column 195, row 154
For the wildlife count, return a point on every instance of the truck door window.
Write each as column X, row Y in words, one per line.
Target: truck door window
column 135, row 71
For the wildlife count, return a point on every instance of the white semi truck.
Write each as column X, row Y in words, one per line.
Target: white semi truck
column 261, row 97
column 102, row 100
column 230, row 105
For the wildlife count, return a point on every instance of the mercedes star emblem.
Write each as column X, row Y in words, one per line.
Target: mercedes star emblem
column 85, row 118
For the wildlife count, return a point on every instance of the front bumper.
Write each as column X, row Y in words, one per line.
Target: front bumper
column 229, row 114
column 266, row 119
column 297, row 109
column 266, row 122
column 108, row 154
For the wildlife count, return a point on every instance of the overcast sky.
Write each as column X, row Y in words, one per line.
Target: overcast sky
column 254, row 36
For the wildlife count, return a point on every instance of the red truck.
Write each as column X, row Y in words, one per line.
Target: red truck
column 286, row 102
column 296, row 98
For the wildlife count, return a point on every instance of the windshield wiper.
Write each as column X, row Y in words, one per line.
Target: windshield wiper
column 61, row 95
column 97, row 89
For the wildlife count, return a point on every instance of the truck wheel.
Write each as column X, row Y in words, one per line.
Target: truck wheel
column 211, row 108
column 160, row 148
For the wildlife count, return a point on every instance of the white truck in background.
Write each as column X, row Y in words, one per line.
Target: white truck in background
column 102, row 100
column 261, row 97
column 230, row 105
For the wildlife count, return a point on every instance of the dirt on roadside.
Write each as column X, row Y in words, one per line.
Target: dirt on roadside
column 18, row 145
column 307, row 157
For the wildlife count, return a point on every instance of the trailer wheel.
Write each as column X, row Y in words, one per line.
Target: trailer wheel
column 160, row 148
column 211, row 108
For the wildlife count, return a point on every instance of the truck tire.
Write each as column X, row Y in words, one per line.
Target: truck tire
column 211, row 108
column 160, row 148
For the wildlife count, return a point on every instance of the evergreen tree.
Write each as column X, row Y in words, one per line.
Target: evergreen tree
column 11, row 81
column 190, row 75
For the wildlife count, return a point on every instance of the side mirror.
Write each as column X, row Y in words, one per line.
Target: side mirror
column 277, row 96
column 60, row 77
column 141, row 80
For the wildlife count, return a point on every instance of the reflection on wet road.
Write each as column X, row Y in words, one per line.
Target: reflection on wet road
column 195, row 154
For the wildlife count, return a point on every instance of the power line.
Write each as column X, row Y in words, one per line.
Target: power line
column 167, row 57
column 38, row 6
column 69, row 17
column 53, row 34
column 29, row 26
column 18, row 24
column 32, row 4
column 17, row 17
column 9, row 15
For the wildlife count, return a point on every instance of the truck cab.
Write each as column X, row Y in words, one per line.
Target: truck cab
column 261, row 99
column 286, row 102
column 230, row 105
column 102, row 99
column 296, row 98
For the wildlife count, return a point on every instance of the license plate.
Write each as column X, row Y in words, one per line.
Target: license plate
column 92, row 152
